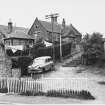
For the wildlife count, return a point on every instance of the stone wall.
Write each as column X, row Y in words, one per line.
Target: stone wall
column 5, row 64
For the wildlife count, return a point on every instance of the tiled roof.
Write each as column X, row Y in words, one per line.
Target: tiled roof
column 72, row 31
column 56, row 27
column 18, row 32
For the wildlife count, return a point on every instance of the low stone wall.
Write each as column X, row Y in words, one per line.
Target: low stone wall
column 5, row 63
column 5, row 66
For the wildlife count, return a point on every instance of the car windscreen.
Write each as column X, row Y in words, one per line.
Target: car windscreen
column 49, row 59
column 38, row 60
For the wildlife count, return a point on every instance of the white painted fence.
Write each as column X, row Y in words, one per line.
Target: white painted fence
column 22, row 85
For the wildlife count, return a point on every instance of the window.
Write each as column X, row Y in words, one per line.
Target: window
column 30, row 42
column 8, row 42
column 16, row 42
column 37, row 26
column 48, row 60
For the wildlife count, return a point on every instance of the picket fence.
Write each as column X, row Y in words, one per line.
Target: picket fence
column 22, row 85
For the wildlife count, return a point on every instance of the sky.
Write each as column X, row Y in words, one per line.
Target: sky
column 87, row 16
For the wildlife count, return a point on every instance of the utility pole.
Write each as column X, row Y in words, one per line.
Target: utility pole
column 52, row 17
column 61, row 45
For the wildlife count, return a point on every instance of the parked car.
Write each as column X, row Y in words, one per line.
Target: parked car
column 41, row 64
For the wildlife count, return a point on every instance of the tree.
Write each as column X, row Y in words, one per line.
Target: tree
column 23, row 63
column 93, row 49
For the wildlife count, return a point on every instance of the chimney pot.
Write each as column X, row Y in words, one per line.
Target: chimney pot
column 63, row 25
column 10, row 27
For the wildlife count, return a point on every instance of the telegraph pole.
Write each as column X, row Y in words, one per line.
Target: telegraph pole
column 61, row 45
column 52, row 17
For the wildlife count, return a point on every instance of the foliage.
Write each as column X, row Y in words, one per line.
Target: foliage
column 25, row 52
column 3, row 90
column 23, row 63
column 93, row 48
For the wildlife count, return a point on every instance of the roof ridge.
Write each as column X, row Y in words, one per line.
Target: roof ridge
column 75, row 28
column 57, row 27
column 14, row 26
column 54, row 23
column 49, row 22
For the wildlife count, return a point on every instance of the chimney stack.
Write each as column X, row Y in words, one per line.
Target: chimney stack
column 63, row 25
column 10, row 27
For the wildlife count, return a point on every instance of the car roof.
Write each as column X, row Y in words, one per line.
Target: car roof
column 43, row 57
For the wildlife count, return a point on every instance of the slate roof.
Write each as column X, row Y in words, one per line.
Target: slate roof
column 57, row 28
column 72, row 31
column 69, row 31
column 18, row 32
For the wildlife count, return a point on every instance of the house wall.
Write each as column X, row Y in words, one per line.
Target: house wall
column 78, row 38
column 68, row 39
column 5, row 63
column 42, row 32
column 39, row 30
column 56, row 36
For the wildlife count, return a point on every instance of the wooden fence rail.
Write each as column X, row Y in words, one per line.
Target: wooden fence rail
column 16, row 85
column 49, row 87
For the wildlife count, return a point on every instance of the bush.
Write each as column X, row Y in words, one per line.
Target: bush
column 70, row 94
column 4, row 90
column 93, row 48
column 61, row 93
column 86, row 95
column 23, row 63
column 28, row 93
column 9, row 52
column 14, row 63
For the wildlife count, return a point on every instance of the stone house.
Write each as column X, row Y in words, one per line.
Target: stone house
column 15, row 35
column 11, row 36
column 5, row 62
column 43, row 30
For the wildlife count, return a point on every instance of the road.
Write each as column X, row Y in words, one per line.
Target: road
column 16, row 100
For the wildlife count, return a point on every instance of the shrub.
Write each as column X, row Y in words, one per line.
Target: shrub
column 70, row 94
column 3, row 90
column 93, row 49
column 9, row 52
column 23, row 63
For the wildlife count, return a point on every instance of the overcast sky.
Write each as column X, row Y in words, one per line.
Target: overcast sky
column 86, row 15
